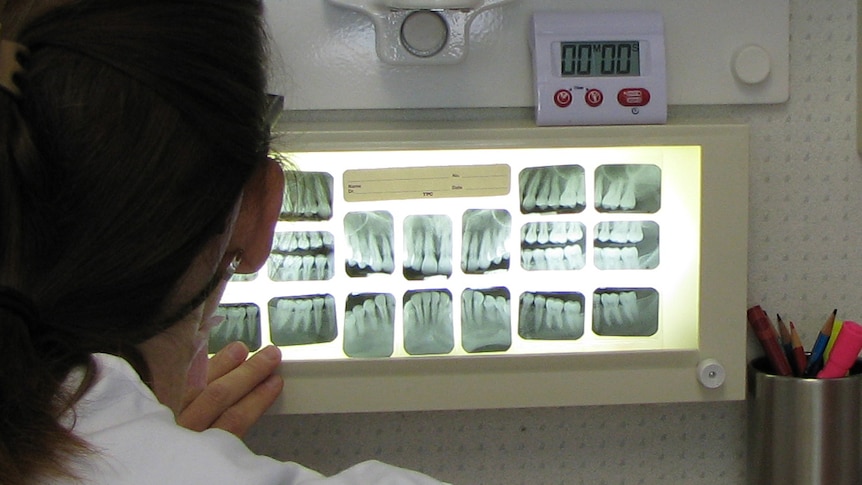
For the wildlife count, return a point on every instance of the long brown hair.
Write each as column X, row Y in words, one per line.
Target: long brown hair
column 137, row 126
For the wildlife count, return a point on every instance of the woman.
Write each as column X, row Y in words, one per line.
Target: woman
column 134, row 180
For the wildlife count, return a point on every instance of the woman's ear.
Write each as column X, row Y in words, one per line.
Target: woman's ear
column 258, row 213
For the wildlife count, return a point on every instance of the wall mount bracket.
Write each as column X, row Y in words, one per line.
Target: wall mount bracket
column 421, row 32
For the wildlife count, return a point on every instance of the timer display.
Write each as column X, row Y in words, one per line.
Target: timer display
column 589, row 59
column 599, row 67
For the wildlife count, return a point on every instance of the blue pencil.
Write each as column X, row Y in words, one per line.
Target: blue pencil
column 815, row 361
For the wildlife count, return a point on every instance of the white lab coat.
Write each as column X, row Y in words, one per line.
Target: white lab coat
column 138, row 442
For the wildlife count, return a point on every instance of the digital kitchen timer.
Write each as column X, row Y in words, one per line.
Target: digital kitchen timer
column 599, row 68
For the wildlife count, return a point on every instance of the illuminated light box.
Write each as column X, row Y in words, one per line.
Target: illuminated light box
column 462, row 266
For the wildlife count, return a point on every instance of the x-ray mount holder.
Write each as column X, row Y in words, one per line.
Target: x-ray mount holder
column 421, row 32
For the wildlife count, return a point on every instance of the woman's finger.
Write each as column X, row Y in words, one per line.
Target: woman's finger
column 224, row 392
column 240, row 417
column 225, row 360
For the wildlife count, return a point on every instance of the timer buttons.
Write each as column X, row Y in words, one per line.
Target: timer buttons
column 633, row 97
column 594, row 97
column 583, row 101
column 563, row 98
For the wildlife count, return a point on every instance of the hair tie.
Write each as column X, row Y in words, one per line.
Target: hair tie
column 10, row 65
column 13, row 301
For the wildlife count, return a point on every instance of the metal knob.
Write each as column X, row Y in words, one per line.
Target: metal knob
column 710, row 373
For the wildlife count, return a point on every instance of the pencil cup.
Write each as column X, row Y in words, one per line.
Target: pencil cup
column 804, row 431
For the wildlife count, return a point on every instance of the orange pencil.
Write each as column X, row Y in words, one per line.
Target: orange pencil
column 799, row 360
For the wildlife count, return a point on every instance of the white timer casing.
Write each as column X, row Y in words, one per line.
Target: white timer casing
column 599, row 99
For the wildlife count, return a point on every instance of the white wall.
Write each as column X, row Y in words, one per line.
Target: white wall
column 805, row 258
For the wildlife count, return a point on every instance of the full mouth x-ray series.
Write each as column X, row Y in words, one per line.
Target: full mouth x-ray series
column 436, row 252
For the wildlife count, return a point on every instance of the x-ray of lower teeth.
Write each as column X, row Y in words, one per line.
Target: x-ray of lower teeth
column 625, row 312
column 307, row 196
column 241, row 322
column 485, row 233
column 369, row 237
column 626, row 245
column 369, row 325
column 302, row 320
column 486, row 321
column 552, row 246
column 552, row 189
column 551, row 316
column 427, row 246
column 428, row 322
column 244, row 277
column 301, row 256
column 628, row 188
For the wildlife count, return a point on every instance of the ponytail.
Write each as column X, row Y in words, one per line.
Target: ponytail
column 33, row 442
column 126, row 137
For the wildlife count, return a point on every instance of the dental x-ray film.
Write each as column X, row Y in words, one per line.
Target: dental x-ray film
column 469, row 252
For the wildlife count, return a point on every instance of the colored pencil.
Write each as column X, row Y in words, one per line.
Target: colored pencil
column 765, row 332
column 800, row 361
column 815, row 361
column 836, row 329
column 784, row 336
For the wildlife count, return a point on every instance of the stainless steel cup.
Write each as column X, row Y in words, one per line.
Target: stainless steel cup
column 804, row 431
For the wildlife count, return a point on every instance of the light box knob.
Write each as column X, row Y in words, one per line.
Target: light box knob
column 710, row 373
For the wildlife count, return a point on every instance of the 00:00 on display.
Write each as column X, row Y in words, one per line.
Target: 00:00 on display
column 600, row 58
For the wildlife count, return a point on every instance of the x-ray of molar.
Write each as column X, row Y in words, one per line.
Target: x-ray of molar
column 302, row 320
column 369, row 237
column 486, row 320
column 558, row 188
column 428, row 322
column 427, row 246
column 485, row 233
column 625, row 312
column 628, row 188
column 551, row 316
column 626, row 245
column 369, row 325
column 301, row 256
column 307, row 196
column 244, row 277
column 552, row 246
column 241, row 322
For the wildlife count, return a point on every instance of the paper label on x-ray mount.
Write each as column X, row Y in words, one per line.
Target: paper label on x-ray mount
column 426, row 182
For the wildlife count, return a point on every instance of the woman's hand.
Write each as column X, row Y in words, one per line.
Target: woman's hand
column 238, row 391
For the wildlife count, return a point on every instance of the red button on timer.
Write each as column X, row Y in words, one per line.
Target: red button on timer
column 594, row 97
column 563, row 98
column 633, row 97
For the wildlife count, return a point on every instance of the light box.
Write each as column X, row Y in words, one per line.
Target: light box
column 468, row 265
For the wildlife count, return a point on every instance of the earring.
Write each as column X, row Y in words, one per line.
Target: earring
column 233, row 265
